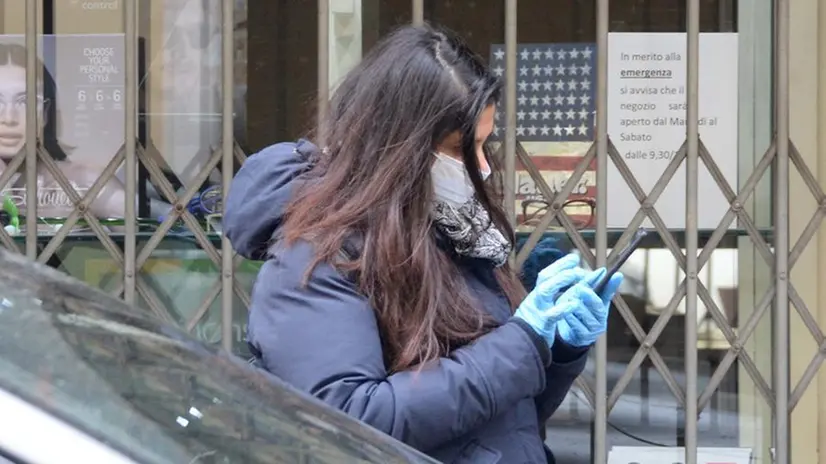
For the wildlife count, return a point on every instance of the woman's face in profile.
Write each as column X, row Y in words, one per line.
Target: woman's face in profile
column 452, row 144
column 12, row 110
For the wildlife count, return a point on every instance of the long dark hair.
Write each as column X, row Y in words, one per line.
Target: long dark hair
column 372, row 181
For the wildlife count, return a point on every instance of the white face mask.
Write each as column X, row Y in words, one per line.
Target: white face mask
column 451, row 183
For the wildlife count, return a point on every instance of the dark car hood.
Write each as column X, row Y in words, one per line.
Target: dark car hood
column 105, row 365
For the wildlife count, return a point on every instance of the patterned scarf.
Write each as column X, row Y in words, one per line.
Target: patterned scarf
column 471, row 231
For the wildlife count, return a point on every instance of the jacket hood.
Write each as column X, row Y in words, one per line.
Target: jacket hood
column 259, row 195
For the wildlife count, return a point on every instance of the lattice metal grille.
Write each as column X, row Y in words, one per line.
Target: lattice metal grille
column 121, row 246
column 692, row 152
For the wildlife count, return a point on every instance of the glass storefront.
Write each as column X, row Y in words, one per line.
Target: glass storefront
column 171, row 67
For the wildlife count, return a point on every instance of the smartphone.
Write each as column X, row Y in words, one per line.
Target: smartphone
column 621, row 259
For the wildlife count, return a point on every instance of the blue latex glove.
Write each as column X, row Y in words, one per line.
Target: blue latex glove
column 540, row 309
column 569, row 261
column 589, row 318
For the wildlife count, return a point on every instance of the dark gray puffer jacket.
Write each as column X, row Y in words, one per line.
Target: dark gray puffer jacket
column 486, row 403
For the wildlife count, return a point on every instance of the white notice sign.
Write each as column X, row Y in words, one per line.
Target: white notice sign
column 676, row 455
column 647, row 121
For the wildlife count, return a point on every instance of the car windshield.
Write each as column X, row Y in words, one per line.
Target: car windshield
column 153, row 392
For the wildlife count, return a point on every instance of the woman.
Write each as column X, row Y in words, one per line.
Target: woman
column 53, row 202
column 386, row 290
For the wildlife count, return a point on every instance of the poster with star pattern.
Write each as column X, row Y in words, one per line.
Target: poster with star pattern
column 555, row 117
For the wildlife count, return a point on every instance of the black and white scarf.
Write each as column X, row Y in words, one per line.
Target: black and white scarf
column 471, row 231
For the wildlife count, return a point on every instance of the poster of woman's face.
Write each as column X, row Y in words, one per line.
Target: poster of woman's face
column 80, row 118
column 13, row 110
column 81, row 115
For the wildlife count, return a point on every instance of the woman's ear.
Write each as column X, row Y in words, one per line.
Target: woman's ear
column 451, row 145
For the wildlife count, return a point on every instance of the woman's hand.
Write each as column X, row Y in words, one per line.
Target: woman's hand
column 541, row 309
column 588, row 319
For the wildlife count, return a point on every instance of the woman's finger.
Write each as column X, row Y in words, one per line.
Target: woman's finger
column 577, row 327
column 594, row 277
column 569, row 261
column 587, row 317
column 566, row 278
column 611, row 288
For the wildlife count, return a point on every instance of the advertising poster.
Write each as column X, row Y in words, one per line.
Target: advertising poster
column 676, row 455
column 555, row 117
column 81, row 119
column 184, row 82
column 647, row 121
column 555, row 114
